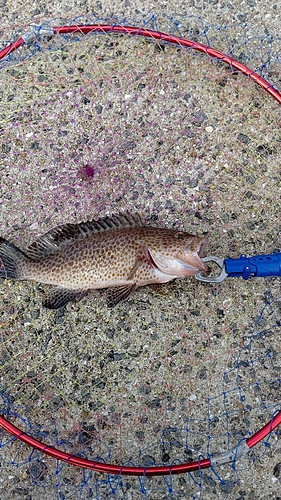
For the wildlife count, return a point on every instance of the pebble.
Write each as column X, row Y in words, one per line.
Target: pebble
column 202, row 374
column 209, row 129
column 119, row 356
column 140, row 435
column 251, row 225
column 187, row 368
column 100, row 383
column 209, row 480
column 193, row 183
column 251, row 179
column 188, row 132
column 56, row 403
column 244, row 138
column 21, row 491
column 99, row 109
column 168, row 204
column 148, row 460
column 6, row 148
column 155, row 403
column 37, row 471
column 199, row 118
column 110, row 333
column 227, row 486
column 114, row 356
column 170, row 180
column 192, row 397
column 130, row 145
column 145, row 389
column 277, row 470
column 220, row 313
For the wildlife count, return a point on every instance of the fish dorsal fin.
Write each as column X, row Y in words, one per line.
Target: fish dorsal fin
column 57, row 238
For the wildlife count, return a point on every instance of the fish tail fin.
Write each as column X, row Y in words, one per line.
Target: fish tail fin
column 10, row 258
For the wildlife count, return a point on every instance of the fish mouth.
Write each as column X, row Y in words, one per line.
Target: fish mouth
column 194, row 263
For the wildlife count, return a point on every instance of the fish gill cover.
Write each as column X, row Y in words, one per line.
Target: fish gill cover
column 96, row 125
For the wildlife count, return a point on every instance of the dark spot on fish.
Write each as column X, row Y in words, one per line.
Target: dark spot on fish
column 180, row 236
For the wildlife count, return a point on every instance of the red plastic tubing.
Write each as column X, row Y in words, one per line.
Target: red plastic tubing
column 98, row 466
column 270, row 426
column 125, row 470
column 156, row 35
column 11, row 48
column 264, row 431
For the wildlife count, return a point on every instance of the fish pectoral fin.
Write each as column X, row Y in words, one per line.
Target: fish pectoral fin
column 59, row 297
column 143, row 257
column 134, row 269
column 118, row 294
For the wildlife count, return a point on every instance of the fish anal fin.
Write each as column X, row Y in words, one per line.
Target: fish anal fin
column 119, row 294
column 59, row 297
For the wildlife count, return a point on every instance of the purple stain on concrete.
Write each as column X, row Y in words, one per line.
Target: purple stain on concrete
column 89, row 171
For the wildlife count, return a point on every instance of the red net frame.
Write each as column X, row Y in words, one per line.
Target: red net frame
column 276, row 420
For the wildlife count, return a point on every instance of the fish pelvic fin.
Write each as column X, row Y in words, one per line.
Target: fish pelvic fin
column 119, row 294
column 59, row 297
column 10, row 258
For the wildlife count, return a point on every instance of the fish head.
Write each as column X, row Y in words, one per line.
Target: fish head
column 180, row 254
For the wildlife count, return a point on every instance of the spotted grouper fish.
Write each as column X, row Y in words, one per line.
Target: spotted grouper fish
column 119, row 253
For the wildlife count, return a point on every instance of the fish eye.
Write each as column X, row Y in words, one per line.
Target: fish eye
column 180, row 236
